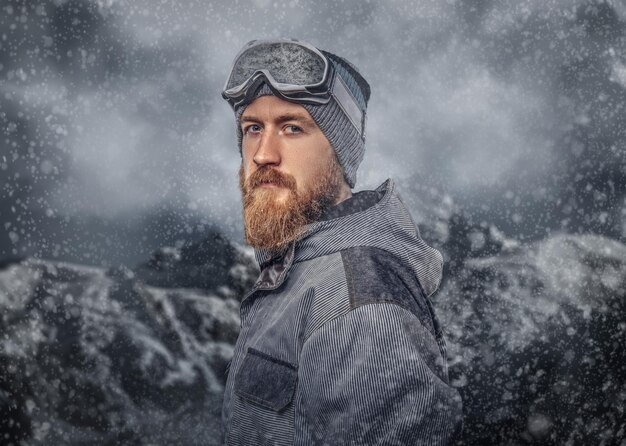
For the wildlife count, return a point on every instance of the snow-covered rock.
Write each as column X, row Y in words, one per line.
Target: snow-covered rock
column 536, row 337
column 94, row 356
column 537, row 342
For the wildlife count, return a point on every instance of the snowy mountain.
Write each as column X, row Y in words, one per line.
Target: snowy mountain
column 536, row 332
column 94, row 356
column 537, row 342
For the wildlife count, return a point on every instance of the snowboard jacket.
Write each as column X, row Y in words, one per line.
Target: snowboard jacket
column 339, row 343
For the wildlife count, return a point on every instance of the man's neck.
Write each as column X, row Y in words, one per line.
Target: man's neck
column 344, row 194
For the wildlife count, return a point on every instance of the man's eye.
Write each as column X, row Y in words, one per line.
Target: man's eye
column 252, row 129
column 293, row 129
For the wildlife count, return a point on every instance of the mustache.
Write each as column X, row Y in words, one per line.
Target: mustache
column 271, row 175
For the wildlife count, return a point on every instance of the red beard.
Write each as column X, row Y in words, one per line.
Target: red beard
column 273, row 223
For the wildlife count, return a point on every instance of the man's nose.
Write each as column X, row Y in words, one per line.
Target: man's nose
column 268, row 151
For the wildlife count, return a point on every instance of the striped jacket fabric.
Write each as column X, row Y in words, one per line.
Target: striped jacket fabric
column 339, row 343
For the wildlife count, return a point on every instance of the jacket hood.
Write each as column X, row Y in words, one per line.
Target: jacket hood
column 387, row 224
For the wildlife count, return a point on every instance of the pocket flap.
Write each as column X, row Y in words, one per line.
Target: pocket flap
column 265, row 380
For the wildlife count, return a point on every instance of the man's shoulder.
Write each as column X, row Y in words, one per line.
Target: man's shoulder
column 340, row 282
column 375, row 275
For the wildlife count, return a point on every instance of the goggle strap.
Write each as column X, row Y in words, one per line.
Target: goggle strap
column 348, row 104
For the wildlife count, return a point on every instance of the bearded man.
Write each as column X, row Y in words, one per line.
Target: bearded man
column 339, row 343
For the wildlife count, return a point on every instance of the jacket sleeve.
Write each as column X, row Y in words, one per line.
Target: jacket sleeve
column 368, row 377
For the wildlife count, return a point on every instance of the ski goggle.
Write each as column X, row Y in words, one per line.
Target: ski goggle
column 295, row 71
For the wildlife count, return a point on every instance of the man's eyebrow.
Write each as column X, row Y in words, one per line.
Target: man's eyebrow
column 281, row 118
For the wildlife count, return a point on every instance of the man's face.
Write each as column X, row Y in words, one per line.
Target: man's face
column 289, row 173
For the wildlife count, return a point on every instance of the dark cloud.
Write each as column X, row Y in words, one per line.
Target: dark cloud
column 111, row 115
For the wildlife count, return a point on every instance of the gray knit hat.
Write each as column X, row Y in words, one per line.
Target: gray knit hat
column 330, row 118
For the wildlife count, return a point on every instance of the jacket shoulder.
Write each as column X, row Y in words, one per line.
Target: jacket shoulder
column 375, row 275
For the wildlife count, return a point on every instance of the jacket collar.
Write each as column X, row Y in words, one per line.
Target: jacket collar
column 376, row 218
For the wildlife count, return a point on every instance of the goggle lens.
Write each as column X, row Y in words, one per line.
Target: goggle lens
column 288, row 63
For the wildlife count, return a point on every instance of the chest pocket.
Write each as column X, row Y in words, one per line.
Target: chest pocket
column 265, row 380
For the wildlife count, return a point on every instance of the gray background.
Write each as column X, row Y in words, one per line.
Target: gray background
column 115, row 139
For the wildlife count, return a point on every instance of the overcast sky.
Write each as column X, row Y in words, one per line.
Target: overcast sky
column 112, row 115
